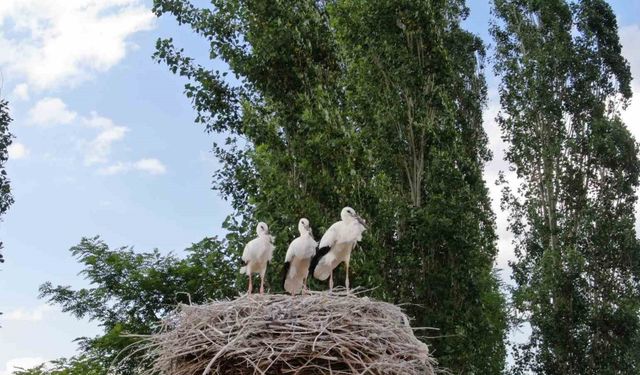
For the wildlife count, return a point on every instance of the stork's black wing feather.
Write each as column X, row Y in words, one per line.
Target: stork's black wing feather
column 285, row 271
column 316, row 258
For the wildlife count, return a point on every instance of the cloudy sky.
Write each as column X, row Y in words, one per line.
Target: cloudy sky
column 105, row 144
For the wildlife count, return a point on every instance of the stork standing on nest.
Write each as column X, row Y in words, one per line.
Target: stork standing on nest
column 257, row 254
column 336, row 246
column 298, row 259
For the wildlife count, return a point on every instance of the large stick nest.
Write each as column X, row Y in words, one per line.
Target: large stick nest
column 319, row 333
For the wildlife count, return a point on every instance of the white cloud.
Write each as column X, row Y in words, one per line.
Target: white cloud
column 151, row 166
column 21, row 363
column 21, row 91
column 497, row 164
column 114, row 169
column 98, row 150
column 35, row 314
column 630, row 39
column 50, row 111
column 18, row 151
column 58, row 43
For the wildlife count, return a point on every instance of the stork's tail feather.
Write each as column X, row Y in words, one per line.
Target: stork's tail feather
column 243, row 270
column 285, row 272
column 322, row 251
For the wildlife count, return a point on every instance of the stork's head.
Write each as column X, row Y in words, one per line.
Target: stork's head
column 348, row 214
column 262, row 229
column 304, row 226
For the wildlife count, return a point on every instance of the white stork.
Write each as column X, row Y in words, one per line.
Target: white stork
column 257, row 253
column 298, row 259
column 336, row 246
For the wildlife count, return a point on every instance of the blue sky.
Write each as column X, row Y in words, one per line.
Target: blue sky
column 105, row 144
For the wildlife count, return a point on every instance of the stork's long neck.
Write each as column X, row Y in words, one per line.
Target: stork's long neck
column 348, row 219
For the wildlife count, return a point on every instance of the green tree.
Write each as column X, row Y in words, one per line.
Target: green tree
column 372, row 104
column 577, row 273
column 80, row 365
column 6, row 199
column 415, row 89
column 129, row 292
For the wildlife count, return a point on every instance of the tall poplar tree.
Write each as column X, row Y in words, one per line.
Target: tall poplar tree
column 373, row 104
column 415, row 91
column 577, row 272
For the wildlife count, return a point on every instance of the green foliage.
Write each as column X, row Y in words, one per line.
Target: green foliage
column 80, row 365
column 130, row 291
column 6, row 199
column 377, row 105
column 578, row 268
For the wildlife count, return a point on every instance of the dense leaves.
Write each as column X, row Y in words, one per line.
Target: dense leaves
column 578, row 268
column 80, row 365
column 130, row 291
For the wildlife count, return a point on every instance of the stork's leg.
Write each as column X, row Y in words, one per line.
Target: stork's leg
column 346, row 280
column 262, row 282
column 331, row 282
column 304, row 286
column 250, row 284
column 347, row 260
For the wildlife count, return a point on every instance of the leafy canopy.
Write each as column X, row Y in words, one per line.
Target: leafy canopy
column 578, row 269
column 130, row 291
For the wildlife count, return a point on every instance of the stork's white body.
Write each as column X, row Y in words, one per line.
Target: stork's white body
column 299, row 255
column 257, row 254
column 340, row 239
